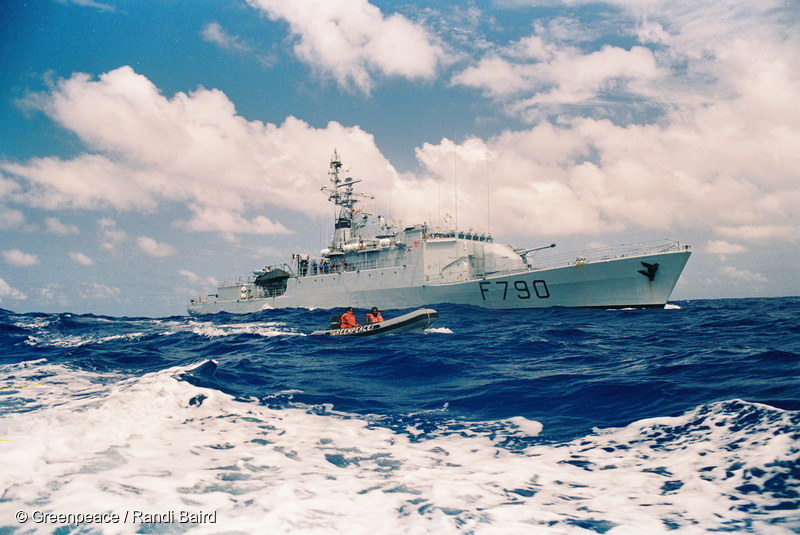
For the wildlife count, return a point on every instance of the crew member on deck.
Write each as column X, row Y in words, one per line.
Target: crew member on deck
column 373, row 316
column 349, row 319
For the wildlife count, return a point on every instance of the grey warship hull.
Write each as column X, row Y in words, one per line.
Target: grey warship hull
column 617, row 282
column 417, row 267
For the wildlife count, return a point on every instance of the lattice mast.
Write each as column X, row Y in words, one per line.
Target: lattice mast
column 351, row 218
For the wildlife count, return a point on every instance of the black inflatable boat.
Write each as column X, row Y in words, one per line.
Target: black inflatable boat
column 413, row 321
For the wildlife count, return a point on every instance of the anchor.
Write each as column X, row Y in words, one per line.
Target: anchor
column 651, row 270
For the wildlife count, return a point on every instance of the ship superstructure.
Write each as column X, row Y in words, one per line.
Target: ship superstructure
column 416, row 266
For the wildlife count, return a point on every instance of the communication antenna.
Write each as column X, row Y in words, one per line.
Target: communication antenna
column 455, row 176
column 488, row 202
column 345, row 200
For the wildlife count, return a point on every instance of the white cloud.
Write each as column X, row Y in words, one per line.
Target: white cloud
column 81, row 259
column 88, row 3
column 55, row 293
column 712, row 168
column 11, row 219
column 721, row 247
column 193, row 149
column 558, row 69
column 761, row 232
column 112, row 236
column 197, row 280
column 498, row 76
column 688, row 54
column 55, row 226
column 212, row 219
column 90, row 181
column 15, row 257
column 565, row 77
column 720, row 157
column 353, row 41
column 742, row 275
column 151, row 247
column 99, row 291
column 7, row 291
column 213, row 32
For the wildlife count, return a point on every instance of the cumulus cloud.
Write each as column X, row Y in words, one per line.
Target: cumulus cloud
column 761, row 232
column 197, row 280
column 720, row 154
column 96, row 290
column 721, row 247
column 15, row 257
column 683, row 54
column 741, row 275
column 709, row 170
column 716, row 150
column 194, row 148
column 151, row 247
column 55, row 226
column 81, row 259
column 213, row 32
column 89, row 181
column 112, row 236
column 561, row 70
column 353, row 41
column 219, row 220
column 7, row 291
column 566, row 77
column 11, row 219
column 88, row 3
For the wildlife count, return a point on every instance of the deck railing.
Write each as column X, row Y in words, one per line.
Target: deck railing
column 536, row 262
column 601, row 254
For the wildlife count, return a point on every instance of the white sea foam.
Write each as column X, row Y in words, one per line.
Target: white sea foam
column 42, row 333
column 91, row 443
column 438, row 330
column 46, row 338
column 33, row 322
column 266, row 329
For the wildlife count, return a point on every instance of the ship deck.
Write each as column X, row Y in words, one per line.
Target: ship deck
column 535, row 263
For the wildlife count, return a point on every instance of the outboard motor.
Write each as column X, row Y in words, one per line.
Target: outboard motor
column 336, row 322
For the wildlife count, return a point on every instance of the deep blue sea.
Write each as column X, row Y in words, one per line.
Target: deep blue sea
column 554, row 421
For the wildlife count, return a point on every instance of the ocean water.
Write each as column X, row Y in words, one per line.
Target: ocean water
column 682, row 420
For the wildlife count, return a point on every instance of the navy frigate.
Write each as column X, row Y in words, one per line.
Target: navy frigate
column 418, row 266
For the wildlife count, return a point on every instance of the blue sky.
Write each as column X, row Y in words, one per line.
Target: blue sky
column 151, row 149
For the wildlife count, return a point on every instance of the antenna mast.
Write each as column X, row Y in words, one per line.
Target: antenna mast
column 343, row 196
column 455, row 176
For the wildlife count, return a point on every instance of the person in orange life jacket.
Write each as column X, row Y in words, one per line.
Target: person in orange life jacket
column 373, row 316
column 349, row 319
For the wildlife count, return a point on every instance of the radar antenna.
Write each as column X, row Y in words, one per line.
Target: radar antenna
column 343, row 196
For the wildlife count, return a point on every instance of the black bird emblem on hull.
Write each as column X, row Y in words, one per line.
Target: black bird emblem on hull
column 651, row 270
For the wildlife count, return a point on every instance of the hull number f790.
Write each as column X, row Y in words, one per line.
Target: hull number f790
column 519, row 287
